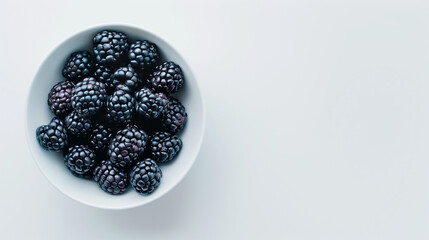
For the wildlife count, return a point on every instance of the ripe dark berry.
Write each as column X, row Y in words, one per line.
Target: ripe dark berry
column 164, row 146
column 79, row 159
column 146, row 176
column 150, row 105
column 59, row 98
column 143, row 55
column 52, row 137
column 88, row 97
column 175, row 116
column 126, row 76
column 111, row 179
column 103, row 73
column 124, row 88
column 100, row 138
column 167, row 77
column 126, row 146
column 80, row 65
column 88, row 175
column 120, row 107
column 97, row 170
column 110, row 47
column 78, row 126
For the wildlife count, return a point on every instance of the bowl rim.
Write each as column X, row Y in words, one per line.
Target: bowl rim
column 191, row 72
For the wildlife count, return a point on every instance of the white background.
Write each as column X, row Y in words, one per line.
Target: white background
column 317, row 121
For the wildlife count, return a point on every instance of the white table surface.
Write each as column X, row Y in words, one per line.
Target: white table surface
column 317, row 121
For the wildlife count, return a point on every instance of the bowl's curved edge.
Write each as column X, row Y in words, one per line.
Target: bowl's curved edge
column 29, row 130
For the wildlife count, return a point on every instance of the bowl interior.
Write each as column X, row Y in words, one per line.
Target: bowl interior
column 52, row 164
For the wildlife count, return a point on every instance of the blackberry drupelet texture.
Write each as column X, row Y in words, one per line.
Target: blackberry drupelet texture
column 124, row 75
column 164, row 146
column 103, row 73
column 97, row 170
column 53, row 136
column 79, row 65
column 167, row 77
column 100, row 138
column 79, row 159
column 143, row 55
column 88, row 97
column 111, row 179
column 59, row 98
column 175, row 116
column 145, row 176
column 126, row 146
column 150, row 105
column 79, row 127
column 110, row 47
column 124, row 88
column 120, row 107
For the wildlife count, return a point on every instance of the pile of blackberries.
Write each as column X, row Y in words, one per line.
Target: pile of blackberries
column 115, row 119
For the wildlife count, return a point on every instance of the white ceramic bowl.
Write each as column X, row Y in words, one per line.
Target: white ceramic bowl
column 52, row 164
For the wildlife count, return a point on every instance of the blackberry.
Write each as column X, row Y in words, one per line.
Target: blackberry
column 100, row 138
column 150, row 105
column 88, row 97
column 146, row 176
column 96, row 173
column 164, row 146
column 120, row 107
column 79, row 159
column 103, row 73
column 59, row 98
column 124, row 75
column 88, row 175
column 52, row 137
column 124, row 88
column 78, row 126
column 111, row 179
column 127, row 146
column 167, row 77
column 110, row 47
column 79, row 65
column 143, row 55
column 175, row 116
